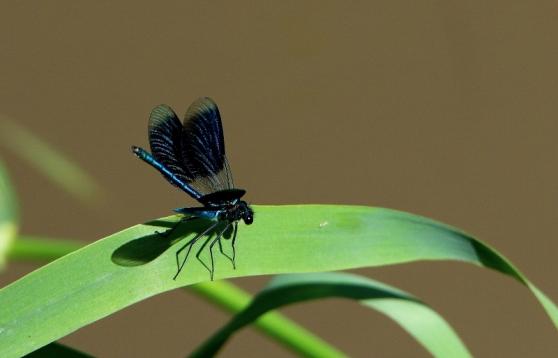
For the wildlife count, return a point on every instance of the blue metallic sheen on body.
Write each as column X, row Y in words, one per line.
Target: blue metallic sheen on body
column 149, row 159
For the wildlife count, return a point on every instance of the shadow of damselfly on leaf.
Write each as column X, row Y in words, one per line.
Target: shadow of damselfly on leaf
column 184, row 234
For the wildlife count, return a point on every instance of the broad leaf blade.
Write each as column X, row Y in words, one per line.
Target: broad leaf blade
column 222, row 293
column 94, row 282
column 423, row 323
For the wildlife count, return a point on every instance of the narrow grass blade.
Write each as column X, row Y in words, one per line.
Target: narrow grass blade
column 274, row 325
column 136, row 263
column 49, row 161
column 41, row 249
column 423, row 323
column 8, row 214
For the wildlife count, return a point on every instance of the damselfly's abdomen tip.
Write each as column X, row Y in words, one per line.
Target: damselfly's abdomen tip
column 137, row 151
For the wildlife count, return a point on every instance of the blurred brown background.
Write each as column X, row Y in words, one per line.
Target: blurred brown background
column 443, row 108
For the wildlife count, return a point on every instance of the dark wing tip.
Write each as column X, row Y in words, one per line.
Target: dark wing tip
column 160, row 113
column 201, row 106
column 161, row 107
column 206, row 100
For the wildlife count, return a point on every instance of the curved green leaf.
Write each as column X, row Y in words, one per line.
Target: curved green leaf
column 273, row 324
column 8, row 214
column 136, row 263
column 222, row 293
column 423, row 323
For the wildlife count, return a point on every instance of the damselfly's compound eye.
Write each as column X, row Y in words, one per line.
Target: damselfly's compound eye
column 248, row 218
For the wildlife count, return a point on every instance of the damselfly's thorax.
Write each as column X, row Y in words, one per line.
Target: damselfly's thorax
column 232, row 208
column 237, row 211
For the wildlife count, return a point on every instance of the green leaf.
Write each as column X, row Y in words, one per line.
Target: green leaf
column 8, row 214
column 50, row 162
column 222, row 293
column 423, row 323
column 278, row 327
column 136, row 263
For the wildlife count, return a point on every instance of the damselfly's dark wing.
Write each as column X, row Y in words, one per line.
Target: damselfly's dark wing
column 193, row 152
column 203, row 148
column 165, row 136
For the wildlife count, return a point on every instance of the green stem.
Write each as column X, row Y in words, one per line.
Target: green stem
column 32, row 248
column 221, row 293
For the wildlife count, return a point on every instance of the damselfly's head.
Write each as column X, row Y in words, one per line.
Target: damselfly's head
column 246, row 212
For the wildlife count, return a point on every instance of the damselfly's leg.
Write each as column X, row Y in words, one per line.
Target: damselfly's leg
column 221, row 245
column 189, row 244
column 232, row 244
column 217, row 238
column 235, row 227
